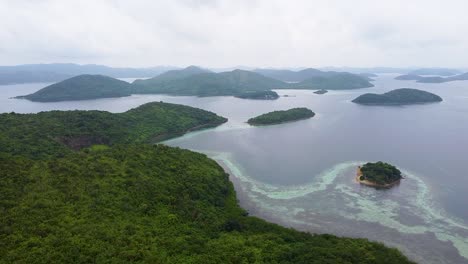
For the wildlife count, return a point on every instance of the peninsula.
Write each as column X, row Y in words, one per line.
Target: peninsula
column 378, row 174
column 278, row 117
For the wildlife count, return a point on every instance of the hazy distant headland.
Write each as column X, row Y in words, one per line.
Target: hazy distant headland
column 54, row 72
column 432, row 79
column 435, row 71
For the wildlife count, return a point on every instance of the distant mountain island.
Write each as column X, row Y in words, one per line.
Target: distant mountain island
column 408, row 77
column 435, row 71
column 55, row 72
column 403, row 96
column 316, row 79
column 278, row 117
column 379, row 174
column 168, row 76
column 82, row 87
column 334, row 81
column 258, row 95
column 192, row 81
column 289, row 75
column 433, row 79
column 198, row 82
column 373, row 70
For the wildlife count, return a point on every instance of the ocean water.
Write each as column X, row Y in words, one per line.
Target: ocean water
column 301, row 174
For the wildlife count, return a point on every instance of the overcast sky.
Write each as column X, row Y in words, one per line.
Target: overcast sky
column 213, row 33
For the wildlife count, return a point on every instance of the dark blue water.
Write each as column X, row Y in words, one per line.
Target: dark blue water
column 301, row 174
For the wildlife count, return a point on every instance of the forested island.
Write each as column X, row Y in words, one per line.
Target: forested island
column 82, row 87
column 378, row 174
column 259, row 95
column 321, row 92
column 403, row 96
column 278, row 117
column 88, row 186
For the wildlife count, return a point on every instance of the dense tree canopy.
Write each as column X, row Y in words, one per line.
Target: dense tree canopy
column 142, row 203
column 126, row 201
column 380, row 172
column 277, row 117
column 52, row 133
column 403, row 96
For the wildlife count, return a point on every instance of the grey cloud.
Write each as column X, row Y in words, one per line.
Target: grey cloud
column 217, row 33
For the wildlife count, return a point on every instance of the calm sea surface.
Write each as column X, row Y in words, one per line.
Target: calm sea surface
column 301, row 174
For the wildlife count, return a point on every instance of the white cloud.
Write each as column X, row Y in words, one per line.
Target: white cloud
column 242, row 32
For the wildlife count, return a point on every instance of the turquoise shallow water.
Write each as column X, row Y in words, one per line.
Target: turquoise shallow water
column 334, row 203
column 301, row 174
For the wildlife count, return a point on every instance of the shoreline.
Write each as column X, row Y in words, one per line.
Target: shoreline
column 167, row 136
column 373, row 184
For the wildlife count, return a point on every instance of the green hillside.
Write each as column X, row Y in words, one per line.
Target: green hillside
column 147, row 204
column 81, row 87
column 55, row 132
